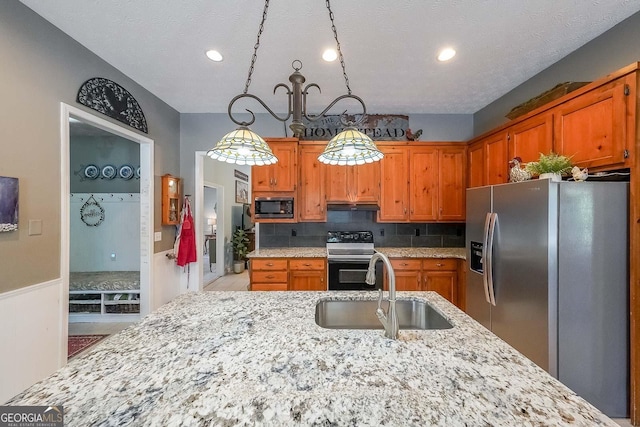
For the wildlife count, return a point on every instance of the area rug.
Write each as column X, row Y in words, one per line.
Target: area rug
column 79, row 343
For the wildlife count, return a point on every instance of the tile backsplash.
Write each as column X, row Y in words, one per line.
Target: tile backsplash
column 314, row 234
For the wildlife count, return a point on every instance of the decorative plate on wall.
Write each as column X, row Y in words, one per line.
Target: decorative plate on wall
column 126, row 172
column 91, row 172
column 109, row 172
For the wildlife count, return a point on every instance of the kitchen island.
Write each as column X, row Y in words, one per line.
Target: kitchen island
column 258, row 358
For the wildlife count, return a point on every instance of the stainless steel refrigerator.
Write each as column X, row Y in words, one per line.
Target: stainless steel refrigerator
column 548, row 273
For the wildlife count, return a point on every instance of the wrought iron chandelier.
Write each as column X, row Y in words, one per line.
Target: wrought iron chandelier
column 244, row 147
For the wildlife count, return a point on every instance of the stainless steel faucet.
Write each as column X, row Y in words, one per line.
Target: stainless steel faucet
column 389, row 319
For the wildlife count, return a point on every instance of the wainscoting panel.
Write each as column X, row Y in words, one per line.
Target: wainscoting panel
column 169, row 280
column 31, row 335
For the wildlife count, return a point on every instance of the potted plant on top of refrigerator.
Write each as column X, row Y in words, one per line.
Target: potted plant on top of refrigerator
column 240, row 242
column 550, row 165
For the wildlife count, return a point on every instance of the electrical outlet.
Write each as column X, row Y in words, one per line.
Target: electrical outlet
column 417, row 232
column 157, row 236
column 294, row 233
column 113, row 256
column 382, row 231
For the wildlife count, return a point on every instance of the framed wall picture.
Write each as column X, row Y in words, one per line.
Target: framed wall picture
column 242, row 192
column 8, row 203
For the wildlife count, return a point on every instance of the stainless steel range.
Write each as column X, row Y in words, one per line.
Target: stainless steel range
column 348, row 256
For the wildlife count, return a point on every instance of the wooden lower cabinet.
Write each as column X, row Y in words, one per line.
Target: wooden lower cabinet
column 427, row 274
column 293, row 274
column 268, row 274
column 308, row 274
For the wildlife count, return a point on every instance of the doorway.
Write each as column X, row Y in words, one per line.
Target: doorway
column 144, row 209
column 210, row 226
column 202, row 223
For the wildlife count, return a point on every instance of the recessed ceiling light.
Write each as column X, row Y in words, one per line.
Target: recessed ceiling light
column 214, row 55
column 329, row 55
column 446, row 54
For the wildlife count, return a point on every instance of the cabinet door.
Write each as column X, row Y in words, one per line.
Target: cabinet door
column 408, row 280
column 496, row 165
column 476, row 164
column 311, row 197
column 592, row 128
column 394, row 186
column 451, row 183
column 280, row 176
column 366, row 185
column 530, row 138
column 285, row 170
column 423, row 184
column 307, row 280
column 442, row 282
column 360, row 183
column 338, row 183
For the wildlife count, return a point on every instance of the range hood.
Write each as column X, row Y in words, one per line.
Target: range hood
column 352, row 207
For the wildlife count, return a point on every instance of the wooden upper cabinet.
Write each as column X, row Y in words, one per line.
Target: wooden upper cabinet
column 360, row 183
column 592, row 128
column 423, row 183
column 496, row 163
column 394, row 185
column 531, row 137
column 311, row 197
column 451, row 179
column 475, row 156
column 281, row 176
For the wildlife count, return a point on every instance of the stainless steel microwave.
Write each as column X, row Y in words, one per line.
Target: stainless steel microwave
column 273, row 207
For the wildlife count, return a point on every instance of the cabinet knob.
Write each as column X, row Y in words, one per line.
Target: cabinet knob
column 270, row 276
column 306, row 264
column 439, row 264
column 404, row 264
column 269, row 264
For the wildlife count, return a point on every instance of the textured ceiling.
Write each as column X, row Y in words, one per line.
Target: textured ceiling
column 389, row 47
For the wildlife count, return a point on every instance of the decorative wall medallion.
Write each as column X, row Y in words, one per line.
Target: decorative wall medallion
column 91, row 172
column 125, row 172
column 111, row 99
column 109, row 172
column 92, row 213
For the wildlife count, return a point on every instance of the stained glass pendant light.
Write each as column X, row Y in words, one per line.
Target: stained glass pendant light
column 244, row 147
column 350, row 147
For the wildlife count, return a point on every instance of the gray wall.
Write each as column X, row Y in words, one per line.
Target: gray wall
column 618, row 47
column 41, row 67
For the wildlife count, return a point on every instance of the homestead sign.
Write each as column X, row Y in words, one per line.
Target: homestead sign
column 382, row 127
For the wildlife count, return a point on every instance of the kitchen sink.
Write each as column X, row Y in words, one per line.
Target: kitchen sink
column 361, row 314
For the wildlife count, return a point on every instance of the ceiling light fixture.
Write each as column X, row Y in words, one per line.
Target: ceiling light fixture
column 329, row 55
column 214, row 55
column 245, row 147
column 446, row 54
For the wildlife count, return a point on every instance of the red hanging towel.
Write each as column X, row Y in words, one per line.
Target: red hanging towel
column 187, row 237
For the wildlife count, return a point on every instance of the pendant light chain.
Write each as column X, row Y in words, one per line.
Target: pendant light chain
column 257, row 45
column 335, row 35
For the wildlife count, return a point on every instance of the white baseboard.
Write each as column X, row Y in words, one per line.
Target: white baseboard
column 31, row 333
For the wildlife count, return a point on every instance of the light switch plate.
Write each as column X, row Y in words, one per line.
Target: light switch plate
column 157, row 236
column 35, row 227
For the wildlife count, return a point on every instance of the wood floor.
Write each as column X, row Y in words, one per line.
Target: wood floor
column 230, row 282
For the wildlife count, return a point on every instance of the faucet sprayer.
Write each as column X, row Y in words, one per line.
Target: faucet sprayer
column 389, row 319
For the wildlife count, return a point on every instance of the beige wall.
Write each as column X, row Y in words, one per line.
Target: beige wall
column 41, row 67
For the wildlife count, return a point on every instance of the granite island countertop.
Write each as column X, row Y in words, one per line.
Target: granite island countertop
column 258, row 358
column 321, row 252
